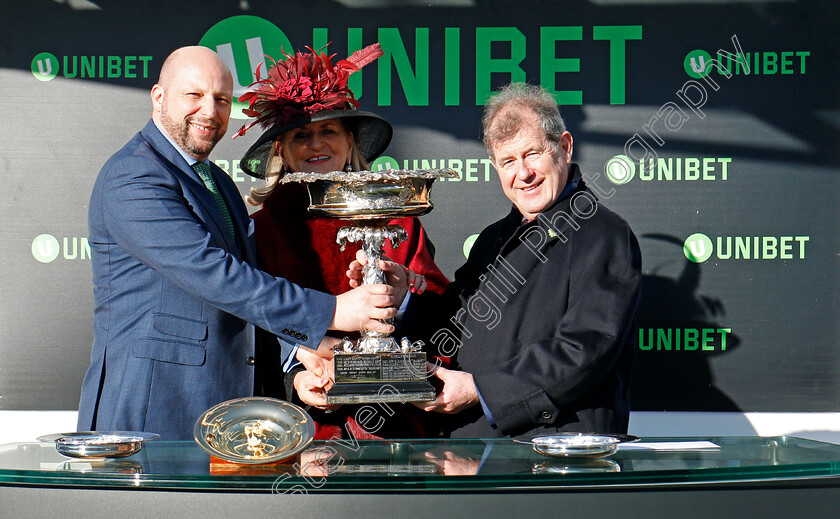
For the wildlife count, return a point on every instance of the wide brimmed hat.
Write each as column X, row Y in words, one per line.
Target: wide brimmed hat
column 371, row 132
column 306, row 88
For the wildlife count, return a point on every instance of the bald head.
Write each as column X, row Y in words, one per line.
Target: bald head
column 195, row 55
column 192, row 99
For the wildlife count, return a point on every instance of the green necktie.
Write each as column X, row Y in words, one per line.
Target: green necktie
column 203, row 171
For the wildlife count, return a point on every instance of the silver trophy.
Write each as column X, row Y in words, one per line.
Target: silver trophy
column 376, row 368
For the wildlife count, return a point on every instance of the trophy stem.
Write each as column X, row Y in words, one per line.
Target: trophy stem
column 373, row 236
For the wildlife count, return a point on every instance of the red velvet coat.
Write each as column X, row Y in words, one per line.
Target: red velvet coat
column 301, row 248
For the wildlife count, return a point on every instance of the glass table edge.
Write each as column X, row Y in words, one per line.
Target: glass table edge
column 828, row 470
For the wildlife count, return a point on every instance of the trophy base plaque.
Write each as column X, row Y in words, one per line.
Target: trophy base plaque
column 362, row 378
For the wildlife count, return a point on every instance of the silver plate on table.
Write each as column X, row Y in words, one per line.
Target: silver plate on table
column 254, row 430
column 578, row 445
column 99, row 444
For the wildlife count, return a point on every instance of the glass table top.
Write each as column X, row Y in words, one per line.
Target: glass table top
column 432, row 465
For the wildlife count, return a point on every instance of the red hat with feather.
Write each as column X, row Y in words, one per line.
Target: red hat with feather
column 305, row 88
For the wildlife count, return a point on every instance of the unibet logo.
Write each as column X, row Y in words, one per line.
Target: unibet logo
column 698, row 247
column 767, row 63
column 384, row 163
column 411, row 53
column 44, row 66
column 243, row 42
column 696, row 63
column 620, row 169
column 468, row 244
column 683, row 339
column 469, row 170
column 46, row 248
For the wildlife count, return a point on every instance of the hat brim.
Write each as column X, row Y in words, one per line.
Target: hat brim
column 371, row 132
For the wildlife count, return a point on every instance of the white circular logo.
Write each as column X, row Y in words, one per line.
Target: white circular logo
column 45, row 248
column 620, row 169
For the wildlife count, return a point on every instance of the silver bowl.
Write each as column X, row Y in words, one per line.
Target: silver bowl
column 578, row 445
column 254, row 430
column 99, row 444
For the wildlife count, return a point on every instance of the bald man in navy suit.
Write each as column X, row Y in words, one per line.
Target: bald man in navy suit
column 176, row 291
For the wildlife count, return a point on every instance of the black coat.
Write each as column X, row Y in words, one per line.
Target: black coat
column 546, row 313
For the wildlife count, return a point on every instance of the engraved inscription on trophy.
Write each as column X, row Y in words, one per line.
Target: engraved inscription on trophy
column 370, row 367
column 377, row 368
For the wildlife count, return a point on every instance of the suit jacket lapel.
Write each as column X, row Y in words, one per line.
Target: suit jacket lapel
column 179, row 166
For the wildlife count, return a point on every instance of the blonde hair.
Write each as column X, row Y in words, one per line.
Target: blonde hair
column 277, row 168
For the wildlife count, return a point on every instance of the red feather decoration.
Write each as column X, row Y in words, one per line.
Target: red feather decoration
column 303, row 84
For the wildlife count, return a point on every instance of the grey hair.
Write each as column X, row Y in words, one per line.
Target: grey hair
column 505, row 112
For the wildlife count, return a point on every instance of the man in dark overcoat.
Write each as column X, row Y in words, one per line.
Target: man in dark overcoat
column 541, row 316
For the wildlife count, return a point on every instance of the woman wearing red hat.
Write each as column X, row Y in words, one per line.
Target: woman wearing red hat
column 312, row 124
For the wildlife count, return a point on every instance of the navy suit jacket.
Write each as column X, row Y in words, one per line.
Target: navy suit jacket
column 177, row 297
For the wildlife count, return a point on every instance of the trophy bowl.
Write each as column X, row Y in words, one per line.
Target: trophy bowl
column 376, row 368
column 370, row 195
column 381, row 199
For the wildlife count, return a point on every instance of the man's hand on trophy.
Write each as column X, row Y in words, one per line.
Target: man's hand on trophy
column 363, row 307
column 458, row 392
column 401, row 278
column 319, row 362
column 312, row 390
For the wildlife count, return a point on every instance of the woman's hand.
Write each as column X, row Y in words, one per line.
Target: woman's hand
column 312, row 390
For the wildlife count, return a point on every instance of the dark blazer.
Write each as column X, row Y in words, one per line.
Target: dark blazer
column 545, row 321
column 175, row 295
